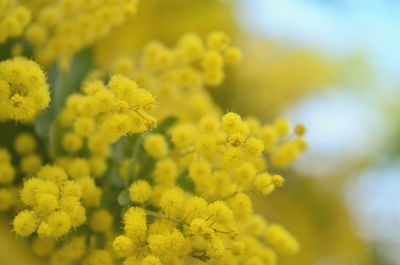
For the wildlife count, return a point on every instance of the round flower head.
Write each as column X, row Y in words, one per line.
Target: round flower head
column 140, row 191
column 28, row 92
column 122, row 246
column 231, row 122
column 60, row 223
column 25, row 223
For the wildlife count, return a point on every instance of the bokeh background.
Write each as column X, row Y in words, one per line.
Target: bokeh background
column 333, row 65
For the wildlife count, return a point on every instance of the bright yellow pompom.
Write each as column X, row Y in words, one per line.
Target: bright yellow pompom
column 135, row 224
column 195, row 207
column 172, row 202
column 71, row 189
column 28, row 92
column 25, row 223
column 231, row 122
column 122, row 246
column 30, row 190
column 46, row 204
column 74, row 209
column 60, row 223
column 140, row 191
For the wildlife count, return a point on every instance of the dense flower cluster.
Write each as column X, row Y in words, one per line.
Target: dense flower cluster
column 13, row 19
column 179, row 75
column 23, row 89
column 64, row 27
column 135, row 163
column 213, row 222
column 105, row 113
column 55, row 204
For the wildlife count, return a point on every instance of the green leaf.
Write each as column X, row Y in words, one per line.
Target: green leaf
column 42, row 125
column 81, row 65
column 136, row 151
column 147, row 164
column 185, row 182
column 62, row 84
column 123, row 198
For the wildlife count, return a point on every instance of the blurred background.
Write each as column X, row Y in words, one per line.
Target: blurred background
column 333, row 65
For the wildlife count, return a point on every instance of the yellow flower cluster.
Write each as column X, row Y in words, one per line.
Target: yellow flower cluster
column 23, row 90
column 178, row 75
column 13, row 19
column 224, row 161
column 116, row 187
column 54, row 203
column 63, row 27
column 83, row 246
column 103, row 114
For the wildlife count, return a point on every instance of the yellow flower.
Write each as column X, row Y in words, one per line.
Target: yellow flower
column 27, row 92
column 122, row 246
column 140, row 191
column 25, row 223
